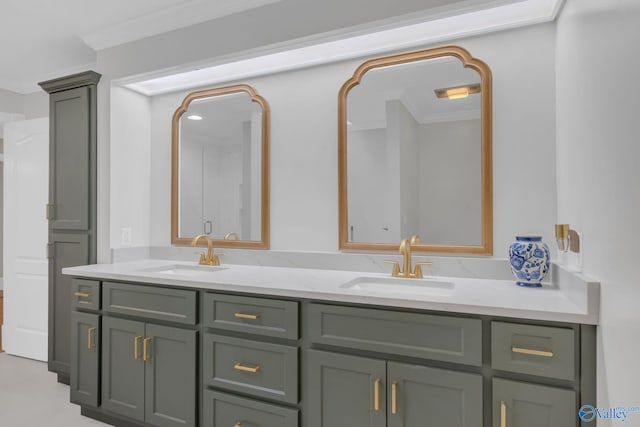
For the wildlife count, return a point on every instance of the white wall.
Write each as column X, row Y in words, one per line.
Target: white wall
column 304, row 145
column 130, row 175
column 598, row 103
column 450, row 176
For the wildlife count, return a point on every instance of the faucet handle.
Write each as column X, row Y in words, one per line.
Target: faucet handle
column 417, row 271
column 396, row 267
column 203, row 258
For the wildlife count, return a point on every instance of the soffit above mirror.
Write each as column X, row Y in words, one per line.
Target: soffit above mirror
column 466, row 19
column 414, row 158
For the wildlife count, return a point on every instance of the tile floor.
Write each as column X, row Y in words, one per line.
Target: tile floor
column 30, row 396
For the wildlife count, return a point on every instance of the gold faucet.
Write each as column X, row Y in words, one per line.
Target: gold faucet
column 211, row 257
column 405, row 250
column 231, row 236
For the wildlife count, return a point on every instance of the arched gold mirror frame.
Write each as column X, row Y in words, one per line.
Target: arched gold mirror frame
column 263, row 243
column 486, row 243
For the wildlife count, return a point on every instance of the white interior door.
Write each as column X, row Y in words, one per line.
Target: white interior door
column 26, row 177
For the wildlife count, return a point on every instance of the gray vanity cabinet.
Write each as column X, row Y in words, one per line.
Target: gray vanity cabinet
column 521, row 404
column 149, row 372
column 345, row 390
column 359, row 391
column 426, row 396
column 85, row 358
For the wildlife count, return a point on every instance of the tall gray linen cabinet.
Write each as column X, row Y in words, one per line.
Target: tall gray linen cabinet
column 72, row 200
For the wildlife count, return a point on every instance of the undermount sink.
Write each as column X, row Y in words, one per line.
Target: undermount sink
column 396, row 286
column 184, row 270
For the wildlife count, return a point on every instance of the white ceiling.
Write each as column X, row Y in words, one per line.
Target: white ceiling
column 44, row 39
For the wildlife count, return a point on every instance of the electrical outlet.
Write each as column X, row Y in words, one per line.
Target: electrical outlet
column 125, row 236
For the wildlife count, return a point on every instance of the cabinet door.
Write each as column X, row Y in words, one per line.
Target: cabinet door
column 345, row 391
column 65, row 250
column 85, row 357
column 170, row 376
column 519, row 404
column 419, row 396
column 123, row 367
column 69, row 165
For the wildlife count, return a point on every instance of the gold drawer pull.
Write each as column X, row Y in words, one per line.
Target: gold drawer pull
column 503, row 414
column 241, row 367
column 394, row 398
column 376, row 395
column 146, row 353
column 82, row 294
column 531, row 352
column 247, row 316
column 90, row 344
column 136, row 350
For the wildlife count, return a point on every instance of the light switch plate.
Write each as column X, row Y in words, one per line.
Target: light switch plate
column 125, row 236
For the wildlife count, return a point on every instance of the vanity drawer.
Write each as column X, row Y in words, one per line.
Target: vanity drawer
column 258, row 368
column 446, row 338
column 221, row 409
column 263, row 316
column 536, row 350
column 150, row 302
column 85, row 294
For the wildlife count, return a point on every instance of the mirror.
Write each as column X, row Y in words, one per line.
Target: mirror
column 220, row 168
column 414, row 153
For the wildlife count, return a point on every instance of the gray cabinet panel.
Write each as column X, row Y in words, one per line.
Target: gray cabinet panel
column 450, row 339
column 85, row 358
column 70, row 161
column 262, row 316
column 150, row 302
column 532, row 349
column 72, row 199
column 123, row 369
column 341, row 391
column 429, row 396
column 170, row 376
column 225, row 410
column 65, row 250
column 85, row 294
column 529, row 405
column 258, row 368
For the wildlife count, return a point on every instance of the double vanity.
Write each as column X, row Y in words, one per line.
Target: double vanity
column 170, row 343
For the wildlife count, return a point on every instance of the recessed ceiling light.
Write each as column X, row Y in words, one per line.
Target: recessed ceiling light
column 194, row 117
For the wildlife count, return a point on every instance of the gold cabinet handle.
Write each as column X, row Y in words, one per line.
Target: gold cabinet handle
column 503, row 413
column 146, row 353
column 247, row 316
column 394, row 398
column 82, row 294
column 241, row 367
column 376, row 394
column 136, row 349
column 90, row 344
column 531, row 352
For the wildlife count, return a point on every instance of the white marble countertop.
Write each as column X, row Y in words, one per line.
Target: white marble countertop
column 573, row 299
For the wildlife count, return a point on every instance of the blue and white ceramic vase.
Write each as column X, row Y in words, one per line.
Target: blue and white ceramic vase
column 529, row 259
